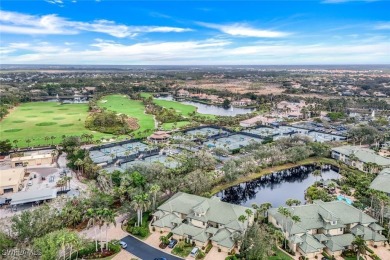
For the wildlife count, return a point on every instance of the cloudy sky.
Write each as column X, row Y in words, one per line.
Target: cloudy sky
column 198, row 32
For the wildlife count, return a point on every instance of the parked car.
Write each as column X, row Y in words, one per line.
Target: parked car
column 194, row 252
column 122, row 244
column 172, row 243
column 30, row 183
column 160, row 258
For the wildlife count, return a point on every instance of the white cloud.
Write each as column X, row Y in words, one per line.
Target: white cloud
column 382, row 26
column 244, row 30
column 55, row 2
column 210, row 51
column 18, row 23
column 346, row 1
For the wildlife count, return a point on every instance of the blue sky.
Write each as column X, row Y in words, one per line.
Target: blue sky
column 197, row 32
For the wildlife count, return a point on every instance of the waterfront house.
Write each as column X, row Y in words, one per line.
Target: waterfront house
column 329, row 227
column 200, row 220
column 361, row 158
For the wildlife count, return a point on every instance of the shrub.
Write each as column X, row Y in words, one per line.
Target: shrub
column 169, row 235
column 219, row 250
column 139, row 231
column 208, row 247
column 200, row 255
column 369, row 250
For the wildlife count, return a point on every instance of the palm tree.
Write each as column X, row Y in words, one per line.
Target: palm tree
column 154, row 189
column 47, row 138
column 242, row 218
column 92, row 217
column 140, row 203
column 290, row 202
column 28, row 141
column 317, row 173
column 52, row 139
column 79, row 163
column 108, row 218
column 15, row 143
column 360, row 246
column 265, row 207
column 285, row 213
column 249, row 213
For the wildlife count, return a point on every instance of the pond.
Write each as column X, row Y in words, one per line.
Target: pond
column 277, row 187
column 212, row 109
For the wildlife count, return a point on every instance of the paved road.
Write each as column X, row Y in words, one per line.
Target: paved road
column 144, row 251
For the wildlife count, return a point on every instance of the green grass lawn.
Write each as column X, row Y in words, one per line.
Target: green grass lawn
column 133, row 108
column 184, row 252
column 183, row 109
column 170, row 126
column 36, row 120
column 280, row 255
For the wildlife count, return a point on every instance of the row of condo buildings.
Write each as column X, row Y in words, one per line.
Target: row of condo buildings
column 323, row 227
column 329, row 227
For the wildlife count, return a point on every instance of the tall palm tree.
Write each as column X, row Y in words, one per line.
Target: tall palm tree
column 92, row 217
column 317, row 173
column 360, row 246
column 52, row 139
column 28, row 141
column 154, row 189
column 47, row 138
column 108, row 217
column 140, row 203
column 79, row 163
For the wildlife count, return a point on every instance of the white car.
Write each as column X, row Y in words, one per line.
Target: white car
column 194, row 252
column 122, row 244
column 29, row 183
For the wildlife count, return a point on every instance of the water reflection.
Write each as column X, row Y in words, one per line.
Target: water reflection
column 211, row 109
column 277, row 187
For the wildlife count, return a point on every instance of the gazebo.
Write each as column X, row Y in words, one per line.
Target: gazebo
column 159, row 137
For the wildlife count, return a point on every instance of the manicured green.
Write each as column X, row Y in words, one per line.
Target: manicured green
column 33, row 121
column 184, row 109
column 133, row 108
column 170, row 126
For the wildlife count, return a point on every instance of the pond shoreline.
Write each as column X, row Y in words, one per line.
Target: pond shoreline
column 270, row 170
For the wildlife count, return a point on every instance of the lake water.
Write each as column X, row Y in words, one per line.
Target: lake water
column 276, row 188
column 211, row 109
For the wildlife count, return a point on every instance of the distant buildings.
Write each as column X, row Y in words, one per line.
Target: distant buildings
column 201, row 220
column 326, row 226
column 363, row 159
column 258, row 120
column 291, row 109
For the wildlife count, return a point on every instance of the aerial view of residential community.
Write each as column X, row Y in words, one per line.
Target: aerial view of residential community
column 216, row 130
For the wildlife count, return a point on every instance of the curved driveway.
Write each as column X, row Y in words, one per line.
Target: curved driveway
column 144, row 251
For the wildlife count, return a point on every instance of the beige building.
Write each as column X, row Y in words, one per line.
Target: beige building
column 11, row 180
column 32, row 160
column 201, row 221
column 329, row 227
